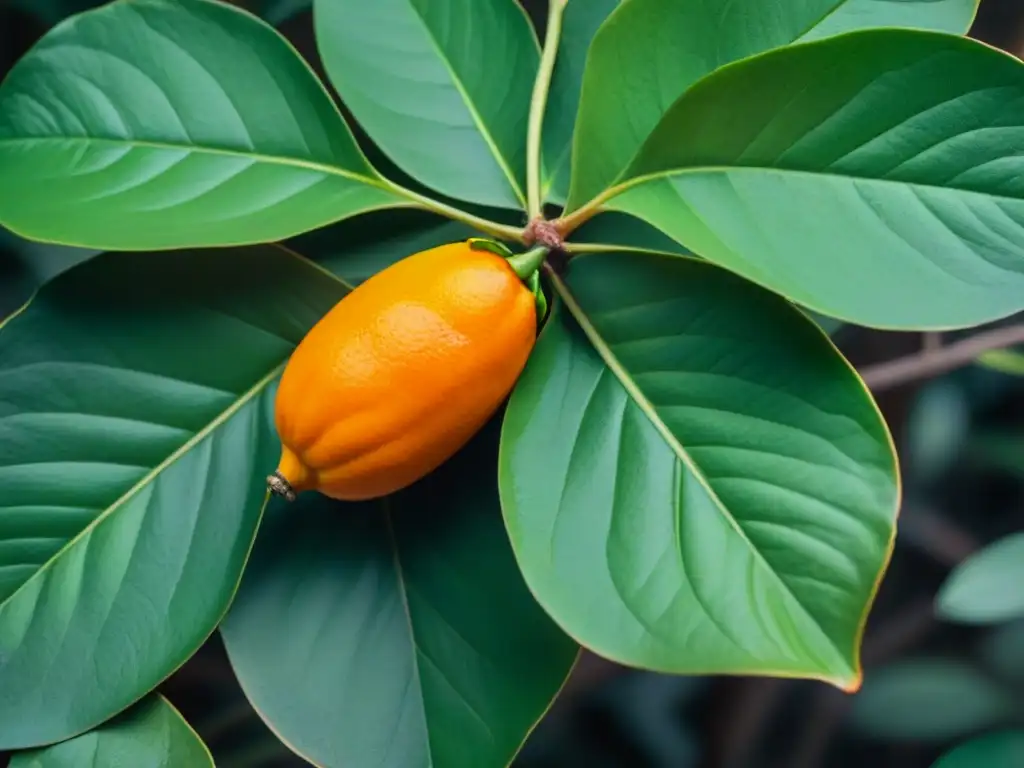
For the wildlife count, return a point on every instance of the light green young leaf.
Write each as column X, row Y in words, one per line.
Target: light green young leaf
column 152, row 124
column 693, row 479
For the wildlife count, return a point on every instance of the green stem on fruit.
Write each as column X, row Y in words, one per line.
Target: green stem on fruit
column 525, row 264
column 493, row 228
column 538, row 105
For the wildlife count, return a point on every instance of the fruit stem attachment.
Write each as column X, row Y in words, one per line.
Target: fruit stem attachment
column 280, row 487
column 525, row 264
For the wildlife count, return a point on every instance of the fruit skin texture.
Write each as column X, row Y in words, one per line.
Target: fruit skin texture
column 402, row 372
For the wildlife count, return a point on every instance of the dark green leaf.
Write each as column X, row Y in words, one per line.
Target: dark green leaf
column 627, row 232
column 151, row 124
column 579, row 24
column 442, row 86
column 927, row 699
column 1003, row 652
column 278, row 11
column 397, row 632
column 996, row 750
column 694, row 480
column 873, row 177
column 150, row 735
column 986, row 588
column 650, row 51
column 359, row 248
column 132, row 464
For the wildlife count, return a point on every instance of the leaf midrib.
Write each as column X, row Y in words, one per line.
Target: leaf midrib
column 623, row 187
column 499, row 157
column 648, row 409
column 309, row 165
column 386, row 510
column 242, row 400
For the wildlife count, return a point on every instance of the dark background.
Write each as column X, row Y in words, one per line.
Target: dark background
column 961, row 442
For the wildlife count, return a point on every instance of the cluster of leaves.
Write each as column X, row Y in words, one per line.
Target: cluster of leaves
column 690, row 478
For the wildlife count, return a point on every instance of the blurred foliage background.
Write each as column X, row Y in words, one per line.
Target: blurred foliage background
column 944, row 648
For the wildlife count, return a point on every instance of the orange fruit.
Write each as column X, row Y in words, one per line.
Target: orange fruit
column 401, row 373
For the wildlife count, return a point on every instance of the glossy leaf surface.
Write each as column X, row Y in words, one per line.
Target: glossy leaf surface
column 650, row 51
column 693, row 479
column 986, row 588
column 873, row 177
column 397, row 632
column 580, row 23
column 442, row 86
column 928, row 699
column 132, row 465
column 359, row 248
column 150, row 735
column 151, row 124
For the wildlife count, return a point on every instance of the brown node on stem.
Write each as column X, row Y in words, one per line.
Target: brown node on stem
column 542, row 231
column 279, row 486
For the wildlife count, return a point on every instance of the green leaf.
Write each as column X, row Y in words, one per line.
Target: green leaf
column 995, row 750
column 1002, row 651
column 132, row 464
column 397, row 632
column 1005, row 361
column 442, row 86
column 649, row 52
column 152, row 124
column 580, row 22
column 356, row 249
column 279, row 11
column 927, row 699
column 985, row 588
column 150, row 735
column 626, row 232
column 694, row 480
column 872, row 177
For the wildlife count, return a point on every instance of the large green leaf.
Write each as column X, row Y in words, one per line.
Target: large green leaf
column 873, row 177
column 928, row 699
column 132, row 464
column 356, row 249
column 397, row 632
column 650, row 51
column 693, row 479
column 986, row 588
column 1004, row 749
column 150, row 735
column 150, row 124
column 580, row 22
column 442, row 86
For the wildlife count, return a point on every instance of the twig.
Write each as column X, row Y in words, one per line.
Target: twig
column 931, row 362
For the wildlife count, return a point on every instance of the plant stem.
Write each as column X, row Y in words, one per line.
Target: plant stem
column 567, row 224
column 525, row 264
column 538, row 105
column 486, row 226
column 932, row 362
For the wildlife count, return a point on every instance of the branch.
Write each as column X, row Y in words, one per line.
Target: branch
column 933, row 361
